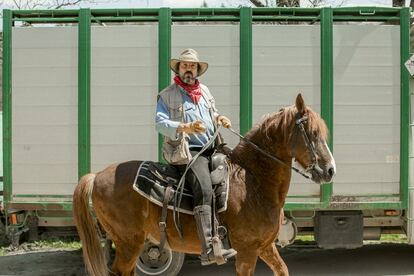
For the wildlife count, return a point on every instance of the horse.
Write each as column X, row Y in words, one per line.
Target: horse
column 257, row 193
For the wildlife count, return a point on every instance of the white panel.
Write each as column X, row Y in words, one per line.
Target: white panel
column 367, row 109
column 217, row 44
column 286, row 61
column 124, row 88
column 45, row 38
column 410, row 223
column 44, row 111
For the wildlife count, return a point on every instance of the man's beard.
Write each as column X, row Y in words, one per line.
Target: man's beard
column 187, row 77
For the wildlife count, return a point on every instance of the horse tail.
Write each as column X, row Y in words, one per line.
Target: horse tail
column 91, row 246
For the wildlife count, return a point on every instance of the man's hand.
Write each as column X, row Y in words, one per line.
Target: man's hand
column 193, row 127
column 223, row 120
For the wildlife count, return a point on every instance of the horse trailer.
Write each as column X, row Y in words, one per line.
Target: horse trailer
column 80, row 86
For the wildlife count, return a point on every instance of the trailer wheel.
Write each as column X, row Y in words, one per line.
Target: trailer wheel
column 154, row 262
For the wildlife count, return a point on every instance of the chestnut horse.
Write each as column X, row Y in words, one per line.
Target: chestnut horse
column 258, row 188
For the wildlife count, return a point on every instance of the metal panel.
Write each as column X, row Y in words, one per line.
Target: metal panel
column 367, row 106
column 164, row 56
column 327, row 86
column 405, row 23
column 246, row 70
column 286, row 61
column 1, row 160
column 410, row 213
column 217, row 44
column 84, row 92
column 124, row 87
column 7, row 99
column 44, row 110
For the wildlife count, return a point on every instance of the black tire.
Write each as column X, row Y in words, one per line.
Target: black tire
column 166, row 263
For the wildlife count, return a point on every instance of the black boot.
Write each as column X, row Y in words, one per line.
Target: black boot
column 202, row 215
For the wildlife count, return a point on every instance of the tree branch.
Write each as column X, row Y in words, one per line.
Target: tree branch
column 67, row 3
column 48, row 4
column 257, row 3
column 398, row 3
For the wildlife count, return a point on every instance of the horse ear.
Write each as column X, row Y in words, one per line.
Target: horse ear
column 300, row 104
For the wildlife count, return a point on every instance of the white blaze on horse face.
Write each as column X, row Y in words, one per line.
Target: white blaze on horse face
column 332, row 159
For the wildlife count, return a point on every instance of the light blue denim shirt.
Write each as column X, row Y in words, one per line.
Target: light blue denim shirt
column 192, row 112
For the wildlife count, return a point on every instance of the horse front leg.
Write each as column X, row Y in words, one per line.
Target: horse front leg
column 246, row 263
column 272, row 258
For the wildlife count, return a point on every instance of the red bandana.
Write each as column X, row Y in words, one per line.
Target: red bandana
column 193, row 91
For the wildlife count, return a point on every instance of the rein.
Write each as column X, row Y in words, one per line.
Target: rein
column 180, row 188
column 299, row 123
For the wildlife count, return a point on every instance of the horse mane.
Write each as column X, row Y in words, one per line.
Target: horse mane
column 283, row 122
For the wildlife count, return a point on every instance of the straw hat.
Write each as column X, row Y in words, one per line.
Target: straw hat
column 189, row 55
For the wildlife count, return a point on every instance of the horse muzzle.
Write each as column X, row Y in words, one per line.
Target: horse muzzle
column 323, row 175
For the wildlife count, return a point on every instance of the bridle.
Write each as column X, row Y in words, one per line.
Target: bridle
column 299, row 123
column 313, row 166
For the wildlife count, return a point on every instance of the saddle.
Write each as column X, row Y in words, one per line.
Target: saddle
column 159, row 184
column 153, row 179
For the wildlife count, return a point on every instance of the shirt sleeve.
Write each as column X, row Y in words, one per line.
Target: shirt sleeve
column 163, row 124
column 215, row 111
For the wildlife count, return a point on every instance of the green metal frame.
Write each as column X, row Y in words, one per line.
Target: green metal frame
column 84, row 92
column 389, row 205
column 164, row 55
column 165, row 17
column 39, row 205
column 246, row 72
column 210, row 14
column 404, row 105
column 7, row 105
column 327, row 86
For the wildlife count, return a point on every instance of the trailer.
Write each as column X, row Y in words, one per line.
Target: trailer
column 80, row 86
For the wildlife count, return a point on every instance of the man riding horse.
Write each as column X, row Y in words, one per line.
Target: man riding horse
column 187, row 118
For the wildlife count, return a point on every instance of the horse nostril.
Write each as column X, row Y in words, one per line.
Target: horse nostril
column 331, row 171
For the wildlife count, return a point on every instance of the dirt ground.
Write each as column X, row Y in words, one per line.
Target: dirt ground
column 43, row 263
column 381, row 259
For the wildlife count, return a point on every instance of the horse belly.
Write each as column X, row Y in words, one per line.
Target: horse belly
column 190, row 242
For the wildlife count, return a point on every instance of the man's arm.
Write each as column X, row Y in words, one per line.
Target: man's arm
column 220, row 119
column 170, row 128
column 163, row 124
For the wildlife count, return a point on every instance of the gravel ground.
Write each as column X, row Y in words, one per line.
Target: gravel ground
column 375, row 259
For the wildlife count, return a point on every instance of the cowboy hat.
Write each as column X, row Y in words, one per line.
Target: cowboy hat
column 189, row 55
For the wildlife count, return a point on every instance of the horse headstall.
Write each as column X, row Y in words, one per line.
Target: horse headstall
column 300, row 121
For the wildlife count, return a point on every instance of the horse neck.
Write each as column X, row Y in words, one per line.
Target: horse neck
column 271, row 139
column 268, row 176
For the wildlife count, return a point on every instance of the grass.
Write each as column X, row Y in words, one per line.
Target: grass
column 70, row 244
column 394, row 238
column 305, row 238
column 63, row 244
column 385, row 238
column 58, row 244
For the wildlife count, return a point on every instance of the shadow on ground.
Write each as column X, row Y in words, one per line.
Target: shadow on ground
column 370, row 260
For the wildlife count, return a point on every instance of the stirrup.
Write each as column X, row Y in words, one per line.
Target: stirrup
column 218, row 252
column 208, row 258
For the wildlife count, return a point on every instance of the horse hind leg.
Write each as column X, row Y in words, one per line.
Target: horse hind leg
column 272, row 258
column 246, row 263
column 126, row 255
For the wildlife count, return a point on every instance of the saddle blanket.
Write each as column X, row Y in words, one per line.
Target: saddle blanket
column 152, row 180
